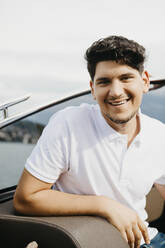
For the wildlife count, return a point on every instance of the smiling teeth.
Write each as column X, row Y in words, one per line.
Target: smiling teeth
column 118, row 103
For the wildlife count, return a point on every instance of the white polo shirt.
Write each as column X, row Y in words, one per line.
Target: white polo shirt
column 81, row 154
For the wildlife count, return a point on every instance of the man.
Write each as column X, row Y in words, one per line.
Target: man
column 100, row 159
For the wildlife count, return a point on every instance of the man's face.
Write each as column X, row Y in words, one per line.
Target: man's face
column 118, row 89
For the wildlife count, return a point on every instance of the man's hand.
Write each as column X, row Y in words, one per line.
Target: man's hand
column 126, row 221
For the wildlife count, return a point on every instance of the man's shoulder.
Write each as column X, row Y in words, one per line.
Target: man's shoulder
column 79, row 113
column 71, row 119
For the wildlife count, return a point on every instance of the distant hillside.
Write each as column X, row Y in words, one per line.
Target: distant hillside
column 23, row 131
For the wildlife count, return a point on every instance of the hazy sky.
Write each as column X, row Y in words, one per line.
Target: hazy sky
column 42, row 42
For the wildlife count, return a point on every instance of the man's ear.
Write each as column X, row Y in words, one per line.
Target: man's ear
column 146, row 80
column 92, row 89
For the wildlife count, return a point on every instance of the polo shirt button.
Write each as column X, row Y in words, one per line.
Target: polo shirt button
column 120, row 141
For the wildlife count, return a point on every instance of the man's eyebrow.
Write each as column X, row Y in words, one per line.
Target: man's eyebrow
column 127, row 74
column 102, row 79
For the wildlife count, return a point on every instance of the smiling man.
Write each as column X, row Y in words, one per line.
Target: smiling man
column 99, row 159
column 118, row 89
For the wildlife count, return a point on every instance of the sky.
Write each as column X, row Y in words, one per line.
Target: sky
column 42, row 42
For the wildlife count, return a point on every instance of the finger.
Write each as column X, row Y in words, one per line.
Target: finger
column 144, row 231
column 32, row 245
column 130, row 237
column 124, row 235
column 137, row 235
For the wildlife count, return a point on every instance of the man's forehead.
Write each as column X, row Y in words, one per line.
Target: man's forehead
column 112, row 68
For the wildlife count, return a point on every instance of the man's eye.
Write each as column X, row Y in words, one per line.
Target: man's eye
column 126, row 78
column 103, row 82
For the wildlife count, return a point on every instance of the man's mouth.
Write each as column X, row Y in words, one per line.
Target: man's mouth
column 118, row 102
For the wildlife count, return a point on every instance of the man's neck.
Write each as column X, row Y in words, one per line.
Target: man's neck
column 131, row 128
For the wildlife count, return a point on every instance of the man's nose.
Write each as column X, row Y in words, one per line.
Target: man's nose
column 116, row 88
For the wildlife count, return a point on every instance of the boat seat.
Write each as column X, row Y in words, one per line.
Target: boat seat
column 68, row 232
column 51, row 232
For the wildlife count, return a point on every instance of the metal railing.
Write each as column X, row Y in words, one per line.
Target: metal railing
column 4, row 107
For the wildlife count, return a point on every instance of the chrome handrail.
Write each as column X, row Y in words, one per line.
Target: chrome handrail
column 4, row 107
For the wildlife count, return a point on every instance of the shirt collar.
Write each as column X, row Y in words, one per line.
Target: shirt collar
column 108, row 131
column 113, row 134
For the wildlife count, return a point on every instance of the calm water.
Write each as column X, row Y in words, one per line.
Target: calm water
column 12, row 159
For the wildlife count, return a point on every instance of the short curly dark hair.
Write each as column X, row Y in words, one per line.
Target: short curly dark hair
column 118, row 49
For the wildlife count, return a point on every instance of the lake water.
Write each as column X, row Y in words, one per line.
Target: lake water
column 12, row 160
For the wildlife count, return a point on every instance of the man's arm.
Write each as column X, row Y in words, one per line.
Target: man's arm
column 161, row 189
column 35, row 197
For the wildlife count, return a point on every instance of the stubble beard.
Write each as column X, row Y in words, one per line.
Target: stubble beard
column 121, row 121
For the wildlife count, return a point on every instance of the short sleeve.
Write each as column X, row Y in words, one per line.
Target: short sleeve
column 50, row 157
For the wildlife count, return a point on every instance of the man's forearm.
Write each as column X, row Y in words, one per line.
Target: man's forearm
column 35, row 197
column 51, row 202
